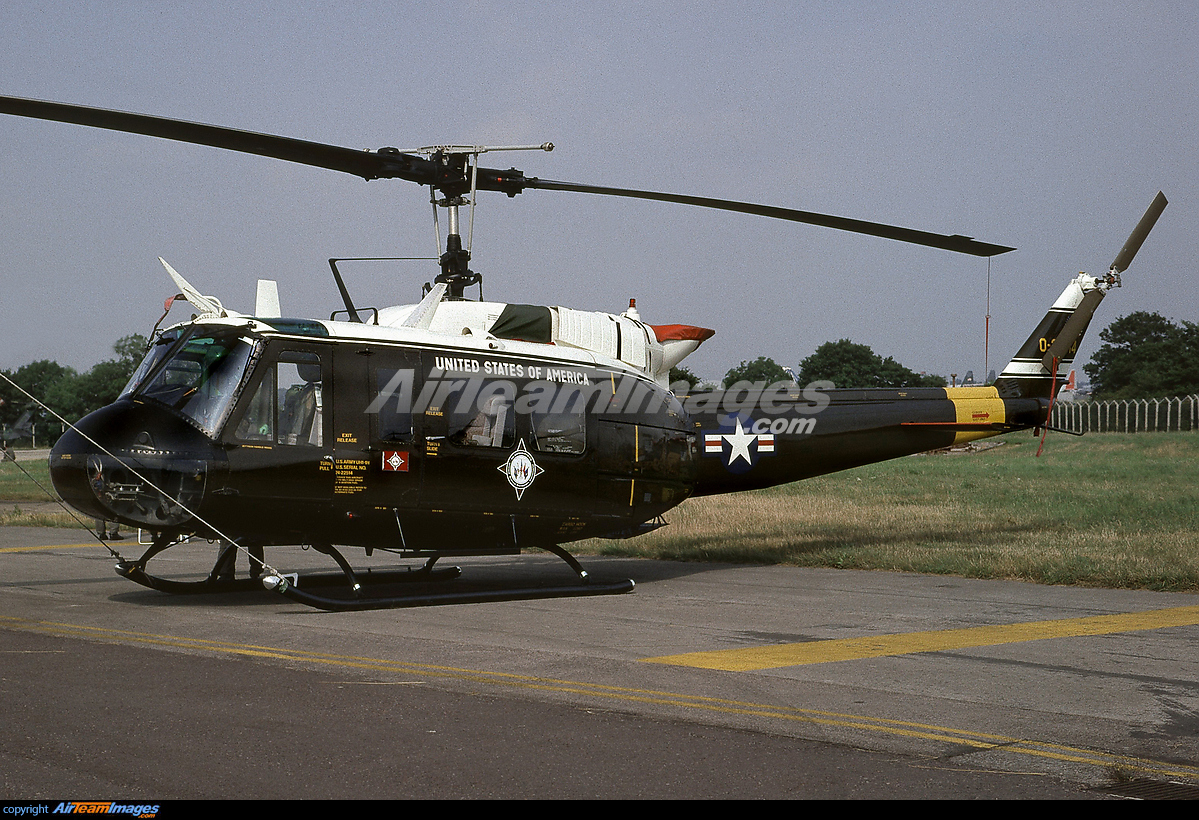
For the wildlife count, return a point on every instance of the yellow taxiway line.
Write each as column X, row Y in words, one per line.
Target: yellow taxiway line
column 982, row 741
column 50, row 547
column 750, row 659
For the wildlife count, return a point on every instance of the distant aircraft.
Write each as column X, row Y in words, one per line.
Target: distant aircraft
column 22, row 429
column 1069, row 390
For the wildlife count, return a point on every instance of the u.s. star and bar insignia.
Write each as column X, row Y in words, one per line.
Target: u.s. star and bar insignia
column 520, row 469
column 736, row 443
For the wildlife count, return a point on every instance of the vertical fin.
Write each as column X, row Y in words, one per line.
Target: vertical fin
column 1036, row 369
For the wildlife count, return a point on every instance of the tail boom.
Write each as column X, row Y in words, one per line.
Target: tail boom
column 753, row 449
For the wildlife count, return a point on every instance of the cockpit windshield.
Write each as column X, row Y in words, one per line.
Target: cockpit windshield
column 157, row 352
column 199, row 377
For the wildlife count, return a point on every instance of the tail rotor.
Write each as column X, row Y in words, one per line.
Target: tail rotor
column 1067, row 340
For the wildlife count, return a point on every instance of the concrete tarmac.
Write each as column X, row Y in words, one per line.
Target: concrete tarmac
column 709, row 681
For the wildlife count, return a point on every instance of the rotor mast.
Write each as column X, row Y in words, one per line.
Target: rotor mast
column 456, row 177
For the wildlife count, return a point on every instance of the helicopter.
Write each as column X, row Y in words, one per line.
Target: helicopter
column 461, row 427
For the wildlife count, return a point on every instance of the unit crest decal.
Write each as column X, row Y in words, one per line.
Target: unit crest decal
column 395, row 461
column 520, row 469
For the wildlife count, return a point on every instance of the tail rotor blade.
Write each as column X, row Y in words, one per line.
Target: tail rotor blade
column 1067, row 340
column 1137, row 237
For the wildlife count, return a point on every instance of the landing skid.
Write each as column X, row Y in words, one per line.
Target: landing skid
column 360, row 601
column 299, row 588
column 210, row 585
column 288, row 590
column 220, row 579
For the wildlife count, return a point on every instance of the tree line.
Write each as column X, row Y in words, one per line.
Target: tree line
column 70, row 393
column 844, row 363
column 1144, row 356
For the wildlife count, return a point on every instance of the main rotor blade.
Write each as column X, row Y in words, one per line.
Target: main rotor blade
column 366, row 164
column 388, row 163
column 956, row 242
column 1137, row 237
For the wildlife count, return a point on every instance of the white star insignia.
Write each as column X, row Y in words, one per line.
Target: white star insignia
column 740, row 442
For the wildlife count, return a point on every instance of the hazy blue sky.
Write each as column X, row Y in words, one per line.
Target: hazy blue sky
column 1047, row 126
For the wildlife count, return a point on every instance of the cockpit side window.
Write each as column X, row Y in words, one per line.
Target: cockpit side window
column 301, row 412
column 489, row 422
column 258, row 422
column 288, row 405
column 559, row 432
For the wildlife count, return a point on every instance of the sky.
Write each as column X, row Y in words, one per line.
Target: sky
column 1045, row 126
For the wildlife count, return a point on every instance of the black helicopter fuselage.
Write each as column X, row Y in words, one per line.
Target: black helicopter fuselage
column 277, row 432
column 461, row 437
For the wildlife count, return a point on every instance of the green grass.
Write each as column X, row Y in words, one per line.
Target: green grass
column 16, row 488
column 17, row 517
column 1104, row 510
column 15, row 485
